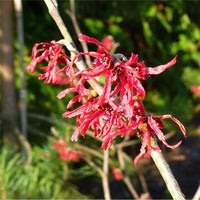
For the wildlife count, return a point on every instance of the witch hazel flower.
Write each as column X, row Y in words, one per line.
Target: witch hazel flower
column 106, row 122
column 58, row 63
column 150, row 127
column 119, row 109
column 119, row 71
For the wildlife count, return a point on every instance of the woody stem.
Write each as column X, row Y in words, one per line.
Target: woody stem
column 166, row 173
column 53, row 11
column 105, row 182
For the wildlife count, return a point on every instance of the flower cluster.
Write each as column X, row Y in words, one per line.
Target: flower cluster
column 119, row 109
column 65, row 152
column 58, row 63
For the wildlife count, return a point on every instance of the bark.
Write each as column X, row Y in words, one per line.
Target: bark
column 9, row 109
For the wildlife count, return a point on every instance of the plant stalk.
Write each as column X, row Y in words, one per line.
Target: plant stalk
column 105, row 182
column 166, row 173
column 53, row 11
column 126, row 178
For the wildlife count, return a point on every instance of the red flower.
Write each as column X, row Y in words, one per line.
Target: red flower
column 122, row 74
column 150, row 127
column 118, row 110
column 106, row 122
column 56, row 58
column 65, row 152
column 116, row 172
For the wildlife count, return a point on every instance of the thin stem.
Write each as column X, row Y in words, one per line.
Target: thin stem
column 166, row 173
column 53, row 11
column 92, row 164
column 126, row 178
column 143, row 182
column 105, row 183
column 127, row 143
column 89, row 150
column 72, row 15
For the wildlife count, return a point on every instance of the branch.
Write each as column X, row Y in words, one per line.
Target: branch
column 89, row 150
column 126, row 178
column 105, row 176
column 72, row 15
column 166, row 173
column 53, row 11
column 127, row 143
column 92, row 164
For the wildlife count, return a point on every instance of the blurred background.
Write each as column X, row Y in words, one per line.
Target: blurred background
column 156, row 31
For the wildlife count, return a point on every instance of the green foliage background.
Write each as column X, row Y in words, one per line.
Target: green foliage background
column 156, row 30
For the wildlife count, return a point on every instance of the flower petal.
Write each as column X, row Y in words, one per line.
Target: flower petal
column 142, row 149
column 65, row 92
column 182, row 128
column 75, row 134
column 75, row 112
column 152, row 123
column 90, row 40
column 159, row 69
column 107, row 89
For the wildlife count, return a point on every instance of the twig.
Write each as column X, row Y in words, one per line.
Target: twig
column 126, row 178
column 54, row 132
column 70, row 44
column 105, row 176
column 127, row 143
column 66, row 170
column 143, row 182
column 197, row 194
column 89, row 150
column 92, row 164
column 72, row 15
column 166, row 173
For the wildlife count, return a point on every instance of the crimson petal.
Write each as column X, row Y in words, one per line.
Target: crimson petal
column 159, row 69
column 182, row 128
column 152, row 123
column 90, row 40
column 65, row 92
